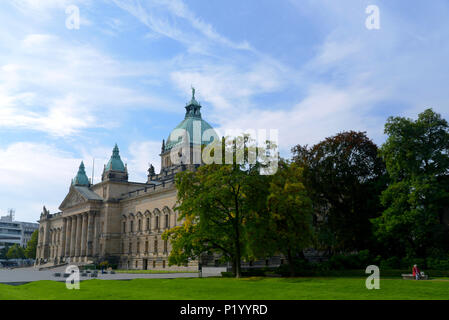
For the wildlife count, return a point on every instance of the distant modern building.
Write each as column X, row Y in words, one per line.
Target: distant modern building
column 15, row 232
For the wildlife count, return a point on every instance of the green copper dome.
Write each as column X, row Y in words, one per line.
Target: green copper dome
column 81, row 178
column 115, row 163
column 192, row 121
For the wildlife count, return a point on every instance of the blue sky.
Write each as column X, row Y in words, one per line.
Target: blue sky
column 309, row 68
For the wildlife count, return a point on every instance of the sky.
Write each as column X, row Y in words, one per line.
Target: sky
column 308, row 68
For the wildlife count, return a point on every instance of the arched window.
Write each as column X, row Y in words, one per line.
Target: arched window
column 131, row 226
column 155, row 246
column 167, row 222
column 124, row 227
column 140, row 225
column 157, row 222
column 148, row 224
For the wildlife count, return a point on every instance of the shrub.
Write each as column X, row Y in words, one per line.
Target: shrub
column 437, row 264
column 227, row 274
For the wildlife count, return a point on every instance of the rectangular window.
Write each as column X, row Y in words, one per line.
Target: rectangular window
column 167, row 224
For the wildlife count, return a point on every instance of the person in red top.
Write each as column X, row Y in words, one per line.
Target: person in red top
column 416, row 272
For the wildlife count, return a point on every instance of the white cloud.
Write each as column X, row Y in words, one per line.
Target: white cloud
column 51, row 85
column 158, row 15
column 141, row 155
column 33, row 175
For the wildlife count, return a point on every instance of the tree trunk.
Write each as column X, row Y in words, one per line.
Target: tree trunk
column 290, row 263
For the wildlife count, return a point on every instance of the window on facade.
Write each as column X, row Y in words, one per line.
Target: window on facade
column 138, row 247
column 130, row 247
column 154, row 263
column 163, row 264
column 136, row 264
column 140, row 225
column 131, row 227
column 146, row 246
column 167, row 223
column 124, row 227
column 157, row 222
column 165, row 246
column 148, row 224
column 155, row 246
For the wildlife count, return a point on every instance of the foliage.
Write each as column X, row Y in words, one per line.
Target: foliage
column 217, row 203
column 3, row 252
column 286, row 226
column 416, row 156
column 344, row 177
column 30, row 250
column 16, row 252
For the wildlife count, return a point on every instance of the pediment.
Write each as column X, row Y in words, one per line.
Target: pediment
column 72, row 199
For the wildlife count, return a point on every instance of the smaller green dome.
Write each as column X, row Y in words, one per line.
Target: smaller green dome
column 81, row 177
column 115, row 163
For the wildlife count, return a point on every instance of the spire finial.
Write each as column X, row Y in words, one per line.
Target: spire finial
column 193, row 93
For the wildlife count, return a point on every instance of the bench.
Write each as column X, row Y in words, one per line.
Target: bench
column 409, row 276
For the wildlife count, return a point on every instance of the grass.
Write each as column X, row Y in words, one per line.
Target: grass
column 230, row 289
column 153, row 271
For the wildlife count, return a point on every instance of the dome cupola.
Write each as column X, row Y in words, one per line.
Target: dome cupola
column 81, row 177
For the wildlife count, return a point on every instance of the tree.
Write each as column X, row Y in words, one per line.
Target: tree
column 16, row 252
column 3, row 252
column 288, row 223
column 416, row 156
column 30, row 250
column 344, row 176
column 218, row 202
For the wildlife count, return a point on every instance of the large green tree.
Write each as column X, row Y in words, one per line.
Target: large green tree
column 286, row 226
column 344, row 176
column 30, row 250
column 416, row 156
column 218, row 203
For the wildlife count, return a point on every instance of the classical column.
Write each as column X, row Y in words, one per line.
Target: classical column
column 73, row 237
column 90, row 233
column 67, row 238
column 79, row 220
column 63, row 236
column 96, row 244
column 83, row 244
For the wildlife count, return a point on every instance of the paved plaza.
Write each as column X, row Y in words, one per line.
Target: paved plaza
column 26, row 275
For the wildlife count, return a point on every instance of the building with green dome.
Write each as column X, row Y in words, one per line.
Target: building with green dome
column 122, row 221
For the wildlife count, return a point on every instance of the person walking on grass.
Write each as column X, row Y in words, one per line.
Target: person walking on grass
column 416, row 272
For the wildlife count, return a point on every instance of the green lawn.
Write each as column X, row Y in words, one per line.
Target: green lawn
column 233, row 289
